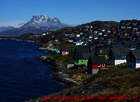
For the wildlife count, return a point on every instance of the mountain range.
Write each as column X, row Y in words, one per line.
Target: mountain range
column 36, row 25
column 6, row 28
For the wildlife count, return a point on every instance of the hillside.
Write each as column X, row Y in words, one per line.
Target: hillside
column 115, row 81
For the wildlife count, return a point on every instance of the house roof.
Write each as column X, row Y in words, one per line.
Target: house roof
column 97, row 59
column 130, row 57
column 121, row 52
column 82, row 52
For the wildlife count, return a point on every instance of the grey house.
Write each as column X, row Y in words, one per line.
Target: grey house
column 127, row 55
column 131, row 60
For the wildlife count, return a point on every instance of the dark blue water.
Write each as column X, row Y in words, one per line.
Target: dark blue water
column 22, row 75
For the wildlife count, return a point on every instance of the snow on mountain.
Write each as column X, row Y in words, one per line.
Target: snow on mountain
column 44, row 21
column 47, row 19
column 37, row 24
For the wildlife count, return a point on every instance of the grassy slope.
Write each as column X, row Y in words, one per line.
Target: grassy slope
column 116, row 81
column 112, row 82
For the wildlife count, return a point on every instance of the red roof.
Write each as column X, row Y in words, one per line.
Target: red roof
column 97, row 66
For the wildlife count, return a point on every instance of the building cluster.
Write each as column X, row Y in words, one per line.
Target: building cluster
column 99, row 58
column 105, row 33
column 88, row 35
column 129, row 29
column 97, row 44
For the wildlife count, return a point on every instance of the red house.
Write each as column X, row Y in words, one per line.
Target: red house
column 96, row 63
column 98, row 66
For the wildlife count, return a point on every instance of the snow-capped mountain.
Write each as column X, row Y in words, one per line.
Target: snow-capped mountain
column 37, row 24
column 43, row 21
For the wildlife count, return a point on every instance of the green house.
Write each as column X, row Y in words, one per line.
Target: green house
column 81, row 62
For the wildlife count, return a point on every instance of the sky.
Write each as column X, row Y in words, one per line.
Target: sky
column 73, row 12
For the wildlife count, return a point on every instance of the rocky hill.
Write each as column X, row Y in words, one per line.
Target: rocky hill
column 115, row 81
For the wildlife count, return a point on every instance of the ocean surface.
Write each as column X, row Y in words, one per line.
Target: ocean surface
column 22, row 75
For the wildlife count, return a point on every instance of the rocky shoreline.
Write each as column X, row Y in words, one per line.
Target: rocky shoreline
column 58, row 74
column 58, row 68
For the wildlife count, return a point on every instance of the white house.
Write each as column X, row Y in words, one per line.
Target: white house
column 44, row 34
column 96, row 38
column 70, row 41
column 105, row 35
column 79, row 43
column 90, row 37
column 77, row 35
column 137, row 63
column 108, row 31
column 100, row 33
column 121, row 53
column 103, row 30
column 95, row 31
column 119, row 61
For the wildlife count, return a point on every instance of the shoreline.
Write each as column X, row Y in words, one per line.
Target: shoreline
column 58, row 74
column 16, row 39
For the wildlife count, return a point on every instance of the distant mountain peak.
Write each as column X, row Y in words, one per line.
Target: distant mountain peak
column 37, row 24
column 55, row 19
column 44, row 19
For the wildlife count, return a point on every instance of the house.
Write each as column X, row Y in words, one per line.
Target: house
column 122, row 55
column 97, row 60
column 95, row 32
column 138, row 63
column 70, row 41
column 96, row 38
column 96, row 63
column 100, row 33
column 128, row 28
column 81, row 55
column 67, row 34
column 90, row 37
column 81, row 61
column 108, row 31
column 64, row 52
column 111, row 57
column 103, row 30
column 78, row 43
column 44, row 34
column 131, row 60
column 70, row 66
column 78, row 35
column 120, row 61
